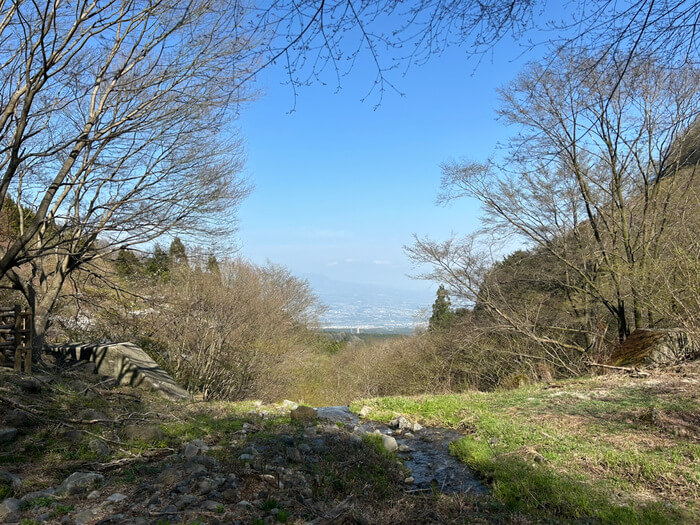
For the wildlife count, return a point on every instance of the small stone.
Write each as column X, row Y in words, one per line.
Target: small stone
column 246, row 457
column 416, row 427
column 94, row 494
column 304, row 414
column 401, row 423
column 8, row 506
column 7, row 434
column 73, row 436
column 18, row 419
column 245, row 504
column 169, row 476
column 13, row 480
column 185, row 501
column 99, row 447
column 116, row 498
column 409, row 480
column 31, row 385
column 230, row 495
column 287, row 440
column 211, row 505
column 251, row 450
column 389, row 443
column 194, row 468
column 304, row 448
column 294, row 455
column 84, row 517
column 365, row 411
column 291, row 405
column 79, row 482
column 404, row 448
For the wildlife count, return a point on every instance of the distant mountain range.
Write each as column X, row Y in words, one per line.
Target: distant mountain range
column 370, row 307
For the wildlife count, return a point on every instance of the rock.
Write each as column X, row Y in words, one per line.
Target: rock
column 30, row 385
column 401, row 423
column 99, row 447
column 304, row 414
column 8, row 506
column 244, row 504
column 246, row 457
column 416, row 427
column 211, row 505
column 79, row 482
column 231, row 495
column 389, row 443
column 73, row 436
column 294, row 455
column 291, row 405
column 13, row 480
column 129, row 364
column 169, row 476
column 195, row 447
column 409, row 480
column 94, row 494
column 194, row 468
column 84, row 516
column 304, row 448
column 251, row 450
column 147, row 433
column 18, row 419
column 287, row 440
column 116, row 498
column 404, row 448
column 7, row 434
column 185, row 501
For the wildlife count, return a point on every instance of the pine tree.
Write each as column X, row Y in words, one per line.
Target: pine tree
column 442, row 311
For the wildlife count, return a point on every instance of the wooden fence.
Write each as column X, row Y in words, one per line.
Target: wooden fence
column 16, row 337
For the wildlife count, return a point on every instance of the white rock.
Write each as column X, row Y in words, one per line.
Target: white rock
column 364, row 411
column 116, row 498
column 389, row 443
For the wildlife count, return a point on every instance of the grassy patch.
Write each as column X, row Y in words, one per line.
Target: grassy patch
column 608, row 449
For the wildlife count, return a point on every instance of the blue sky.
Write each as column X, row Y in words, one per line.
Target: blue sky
column 341, row 187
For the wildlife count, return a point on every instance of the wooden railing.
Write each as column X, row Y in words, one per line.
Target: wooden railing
column 16, row 337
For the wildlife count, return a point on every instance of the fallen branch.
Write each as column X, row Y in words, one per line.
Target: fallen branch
column 141, row 458
column 629, row 370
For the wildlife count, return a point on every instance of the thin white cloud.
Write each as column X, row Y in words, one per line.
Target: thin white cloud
column 332, row 263
column 352, row 260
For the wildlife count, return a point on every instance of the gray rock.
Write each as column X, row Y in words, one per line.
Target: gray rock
column 409, row 480
column 246, row 457
column 404, row 448
column 169, row 476
column 389, row 443
column 13, row 480
column 7, row 434
column 8, row 506
column 38, row 494
column 304, row 448
column 73, row 436
column 401, row 423
column 99, row 447
column 31, row 385
column 194, row 468
column 291, row 405
column 79, row 482
column 211, row 505
column 245, row 504
column 18, row 419
column 194, row 448
column 364, row 411
column 84, row 517
column 185, row 501
column 251, row 450
column 294, row 455
column 416, row 427
column 94, row 494
column 304, row 414
column 116, row 498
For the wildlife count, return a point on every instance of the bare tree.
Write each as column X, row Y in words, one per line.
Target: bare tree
column 594, row 180
column 309, row 36
column 114, row 129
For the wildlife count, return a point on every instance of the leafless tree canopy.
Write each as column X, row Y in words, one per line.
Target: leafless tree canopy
column 309, row 36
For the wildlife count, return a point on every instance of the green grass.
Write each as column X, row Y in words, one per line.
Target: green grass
column 586, row 450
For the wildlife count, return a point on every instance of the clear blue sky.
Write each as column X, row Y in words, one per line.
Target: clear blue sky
column 341, row 187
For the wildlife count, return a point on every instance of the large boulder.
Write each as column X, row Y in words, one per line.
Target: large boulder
column 652, row 348
column 128, row 364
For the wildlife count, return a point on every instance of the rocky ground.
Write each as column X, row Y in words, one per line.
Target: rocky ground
column 76, row 449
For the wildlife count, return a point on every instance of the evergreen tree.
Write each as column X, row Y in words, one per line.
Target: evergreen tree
column 177, row 252
column 159, row 263
column 127, row 263
column 442, row 311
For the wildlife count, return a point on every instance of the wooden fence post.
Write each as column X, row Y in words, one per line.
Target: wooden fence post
column 18, row 339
